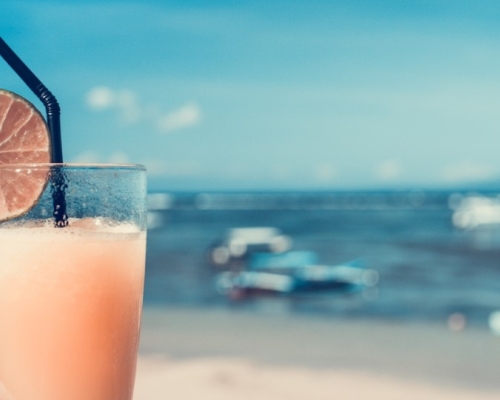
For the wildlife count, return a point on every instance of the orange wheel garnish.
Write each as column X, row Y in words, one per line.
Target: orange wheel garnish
column 24, row 139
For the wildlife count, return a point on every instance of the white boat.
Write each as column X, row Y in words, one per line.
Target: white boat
column 308, row 278
column 240, row 242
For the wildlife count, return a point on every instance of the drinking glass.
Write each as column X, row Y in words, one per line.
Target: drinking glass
column 71, row 297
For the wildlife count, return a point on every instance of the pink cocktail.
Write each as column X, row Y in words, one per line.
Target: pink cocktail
column 70, row 298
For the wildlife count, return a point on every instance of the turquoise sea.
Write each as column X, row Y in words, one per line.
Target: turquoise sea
column 429, row 267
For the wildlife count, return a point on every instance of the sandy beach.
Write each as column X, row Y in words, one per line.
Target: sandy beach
column 224, row 354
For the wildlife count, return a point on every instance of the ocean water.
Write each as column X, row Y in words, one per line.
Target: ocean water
column 429, row 269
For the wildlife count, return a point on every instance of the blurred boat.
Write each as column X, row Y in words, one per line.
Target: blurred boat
column 348, row 275
column 240, row 284
column 304, row 267
column 304, row 279
column 239, row 243
column 282, row 261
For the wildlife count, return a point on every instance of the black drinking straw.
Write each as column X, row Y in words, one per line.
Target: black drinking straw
column 53, row 121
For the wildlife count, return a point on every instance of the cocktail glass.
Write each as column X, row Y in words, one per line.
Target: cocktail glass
column 71, row 297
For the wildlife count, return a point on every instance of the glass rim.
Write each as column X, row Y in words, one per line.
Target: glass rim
column 82, row 166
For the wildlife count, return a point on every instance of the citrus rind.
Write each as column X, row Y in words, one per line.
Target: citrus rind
column 24, row 139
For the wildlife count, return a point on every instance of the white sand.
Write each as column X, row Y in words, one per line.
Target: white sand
column 233, row 379
column 207, row 354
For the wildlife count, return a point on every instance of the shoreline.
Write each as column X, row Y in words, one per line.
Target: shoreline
column 428, row 355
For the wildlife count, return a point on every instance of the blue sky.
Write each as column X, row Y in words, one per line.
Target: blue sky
column 271, row 94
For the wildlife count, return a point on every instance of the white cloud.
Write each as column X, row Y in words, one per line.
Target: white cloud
column 130, row 111
column 468, row 171
column 187, row 115
column 100, row 98
column 125, row 102
column 388, row 170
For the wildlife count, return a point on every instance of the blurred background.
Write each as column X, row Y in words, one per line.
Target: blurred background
column 323, row 162
column 268, row 94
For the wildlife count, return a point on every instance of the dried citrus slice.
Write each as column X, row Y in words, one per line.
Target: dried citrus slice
column 24, row 139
